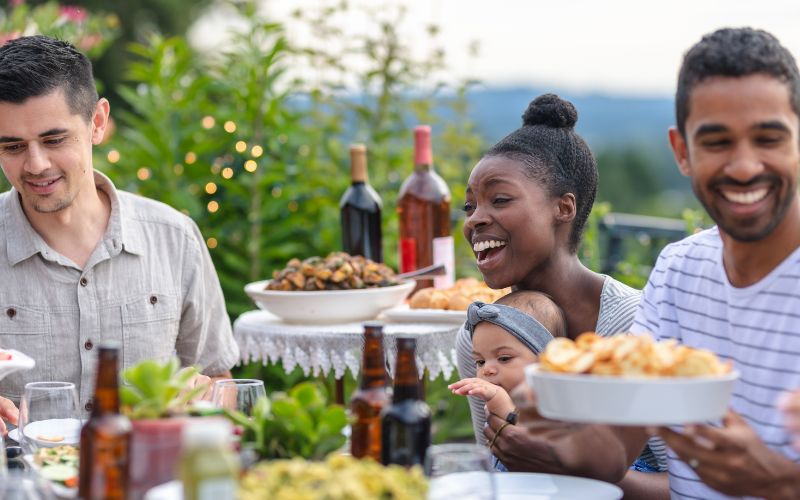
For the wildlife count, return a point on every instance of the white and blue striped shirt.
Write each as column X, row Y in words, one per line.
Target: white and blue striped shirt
column 689, row 298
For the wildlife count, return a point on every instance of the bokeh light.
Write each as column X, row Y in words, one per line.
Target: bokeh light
column 229, row 127
column 212, row 243
column 213, row 206
column 190, row 158
column 208, row 122
column 227, row 172
column 241, row 146
column 211, row 188
column 250, row 165
column 113, row 156
column 256, row 151
column 143, row 173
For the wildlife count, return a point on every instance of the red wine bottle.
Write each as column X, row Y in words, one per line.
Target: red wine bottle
column 360, row 211
column 423, row 207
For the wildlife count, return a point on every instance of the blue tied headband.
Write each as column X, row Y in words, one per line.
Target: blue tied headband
column 521, row 325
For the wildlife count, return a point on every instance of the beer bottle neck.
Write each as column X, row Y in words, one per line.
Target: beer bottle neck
column 106, row 393
column 373, row 363
column 406, row 377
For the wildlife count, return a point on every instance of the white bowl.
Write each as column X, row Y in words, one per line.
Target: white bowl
column 630, row 401
column 328, row 306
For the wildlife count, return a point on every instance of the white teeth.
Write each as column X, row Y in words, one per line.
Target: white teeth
column 483, row 245
column 747, row 197
column 43, row 184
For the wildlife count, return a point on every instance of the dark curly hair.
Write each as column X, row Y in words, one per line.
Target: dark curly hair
column 734, row 52
column 34, row 66
column 554, row 155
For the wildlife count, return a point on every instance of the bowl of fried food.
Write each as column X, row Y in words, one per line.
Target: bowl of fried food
column 339, row 288
column 630, row 380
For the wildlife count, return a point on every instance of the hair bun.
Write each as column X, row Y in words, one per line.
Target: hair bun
column 550, row 110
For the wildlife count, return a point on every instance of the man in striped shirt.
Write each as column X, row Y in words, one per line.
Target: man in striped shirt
column 733, row 289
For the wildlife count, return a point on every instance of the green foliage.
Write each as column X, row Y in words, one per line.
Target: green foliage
column 297, row 424
column 153, row 390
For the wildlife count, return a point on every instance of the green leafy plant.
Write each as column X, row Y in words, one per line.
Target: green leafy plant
column 297, row 424
column 153, row 390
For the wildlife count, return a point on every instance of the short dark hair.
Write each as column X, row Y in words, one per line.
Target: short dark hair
column 33, row 66
column 540, row 307
column 734, row 52
column 554, row 155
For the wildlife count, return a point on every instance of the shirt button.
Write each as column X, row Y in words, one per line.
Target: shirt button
column 84, row 282
column 88, row 406
column 88, row 345
column 11, row 312
column 153, row 299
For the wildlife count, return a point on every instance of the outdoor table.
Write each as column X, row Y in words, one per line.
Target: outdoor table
column 322, row 349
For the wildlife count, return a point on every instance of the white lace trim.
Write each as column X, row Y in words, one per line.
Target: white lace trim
column 320, row 349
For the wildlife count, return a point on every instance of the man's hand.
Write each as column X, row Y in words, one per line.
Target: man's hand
column 733, row 460
column 9, row 412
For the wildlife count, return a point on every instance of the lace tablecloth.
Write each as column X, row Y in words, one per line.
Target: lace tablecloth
column 320, row 349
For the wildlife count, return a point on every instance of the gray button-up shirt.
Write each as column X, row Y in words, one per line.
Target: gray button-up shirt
column 149, row 285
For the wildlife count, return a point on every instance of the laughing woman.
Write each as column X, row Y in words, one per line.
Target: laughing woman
column 527, row 202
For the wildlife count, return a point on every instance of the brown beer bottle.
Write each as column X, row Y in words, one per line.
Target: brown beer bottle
column 423, row 207
column 105, row 438
column 406, row 423
column 371, row 397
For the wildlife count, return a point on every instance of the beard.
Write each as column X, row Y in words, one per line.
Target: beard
column 748, row 230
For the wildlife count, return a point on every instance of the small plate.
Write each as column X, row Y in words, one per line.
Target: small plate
column 524, row 486
column 18, row 361
column 67, row 428
column 630, row 401
column 404, row 314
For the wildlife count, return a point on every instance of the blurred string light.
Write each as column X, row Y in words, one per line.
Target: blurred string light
column 213, row 206
column 257, row 151
column 113, row 156
column 250, row 165
column 208, row 122
column 211, row 188
column 227, row 172
column 212, row 243
column 229, row 127
column 143, row 173
column 241, row 146
column 190, row 158
column 178, row 169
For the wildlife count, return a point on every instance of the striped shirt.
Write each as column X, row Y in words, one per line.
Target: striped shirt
column 689, row 298
column 618, row 305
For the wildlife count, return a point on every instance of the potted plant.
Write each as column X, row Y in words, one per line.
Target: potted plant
column 154, row 397
column 299, row 423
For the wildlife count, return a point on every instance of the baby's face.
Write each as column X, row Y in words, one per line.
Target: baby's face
column 499, row 356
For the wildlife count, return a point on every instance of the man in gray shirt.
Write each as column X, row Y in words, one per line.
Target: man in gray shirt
column 80, row 262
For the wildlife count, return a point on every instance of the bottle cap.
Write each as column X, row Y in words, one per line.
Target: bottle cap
column 207, row 431
column 422, row 145
column 358, row 163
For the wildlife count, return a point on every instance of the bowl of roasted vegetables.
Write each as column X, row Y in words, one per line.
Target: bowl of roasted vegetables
column 339, row 288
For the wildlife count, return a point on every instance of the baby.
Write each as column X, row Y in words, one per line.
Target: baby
column 506, row 336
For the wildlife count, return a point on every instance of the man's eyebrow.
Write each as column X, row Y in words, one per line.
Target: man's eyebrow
column 53, row 131
column 710, row 128
column 716, row 128
column 772, row 125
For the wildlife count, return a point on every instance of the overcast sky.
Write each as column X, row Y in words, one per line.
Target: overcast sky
column 616, row 46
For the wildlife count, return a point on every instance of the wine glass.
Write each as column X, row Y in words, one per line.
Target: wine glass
column 49, row 416
column 238, row 394
column 25, row 484
column 460, row 471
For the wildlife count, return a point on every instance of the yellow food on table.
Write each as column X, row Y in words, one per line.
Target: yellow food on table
column 337, row 271
column 339, row 477
column 629, row 355
column 456, row 298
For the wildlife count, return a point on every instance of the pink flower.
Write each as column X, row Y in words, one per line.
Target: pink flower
column 89, row 42
column 73, row 13
column 7, row 37
column 16, row 3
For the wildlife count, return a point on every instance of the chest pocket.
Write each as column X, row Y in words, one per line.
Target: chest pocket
column 150, row 328
column 27, row 330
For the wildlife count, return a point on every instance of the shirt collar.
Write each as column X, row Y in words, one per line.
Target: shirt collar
column 22, row 240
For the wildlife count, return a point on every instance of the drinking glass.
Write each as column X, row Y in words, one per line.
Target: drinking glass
column 238, row 394
column 25, row 484
column 49, row 416
column 461, row 471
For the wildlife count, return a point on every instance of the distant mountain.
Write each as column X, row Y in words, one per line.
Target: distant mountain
column 603, row 120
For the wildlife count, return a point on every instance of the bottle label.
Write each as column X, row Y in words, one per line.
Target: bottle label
column 408, row 255
column 444, row 253
column 216, row 489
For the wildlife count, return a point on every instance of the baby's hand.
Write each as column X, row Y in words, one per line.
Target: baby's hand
column 474, row 387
